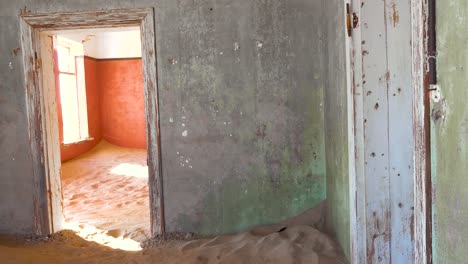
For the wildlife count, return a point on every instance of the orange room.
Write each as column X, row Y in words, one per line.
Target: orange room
column 102, row 131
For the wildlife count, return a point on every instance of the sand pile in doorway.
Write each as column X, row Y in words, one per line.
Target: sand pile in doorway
column 297, row 240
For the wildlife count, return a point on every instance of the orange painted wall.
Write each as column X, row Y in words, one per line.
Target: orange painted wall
column 115, row 101
column 122, row 102
column 94, row 118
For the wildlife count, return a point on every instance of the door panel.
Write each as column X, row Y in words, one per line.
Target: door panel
column 383, row 100
column 400, row 129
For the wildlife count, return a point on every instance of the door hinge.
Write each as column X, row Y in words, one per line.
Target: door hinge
column 348, row 20
column 351, row 23
column 434, row 92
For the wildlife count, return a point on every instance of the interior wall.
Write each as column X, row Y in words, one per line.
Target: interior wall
column 336, row 123
column 241, row 107
column 241, row 90
column 122, row 104
column 114, row 88
column 70, row 151
column 449, row 135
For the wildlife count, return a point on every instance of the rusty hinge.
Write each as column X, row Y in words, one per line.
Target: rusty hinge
column 434, row 92
column 348, row 20
column 355, row 20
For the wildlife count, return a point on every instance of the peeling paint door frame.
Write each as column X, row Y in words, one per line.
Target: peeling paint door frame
column 360, row 219
column 423, row 75
column 421, row 132
column 356, row 179
column 42, row 113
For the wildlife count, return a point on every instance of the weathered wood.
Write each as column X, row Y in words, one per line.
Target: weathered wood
column 41, row 109
column 50, row 133
column 357, row 183
column 421, row 202
column 153, row 136
column 400, row 122
column 376, row 131
column 93, row 19
column 390, row 162
column 35, row 128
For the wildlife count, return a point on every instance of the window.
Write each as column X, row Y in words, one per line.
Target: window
column 72, row 89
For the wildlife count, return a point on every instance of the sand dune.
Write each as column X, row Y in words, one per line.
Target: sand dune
column 295, row 241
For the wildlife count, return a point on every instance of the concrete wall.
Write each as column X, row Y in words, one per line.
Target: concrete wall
column 248, row 88
column 244, row 77
column 336, row 123
column 450, row 135
column 15, row 161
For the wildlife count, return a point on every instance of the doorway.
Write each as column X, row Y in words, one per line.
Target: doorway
column 102, row 130
column 43, row 115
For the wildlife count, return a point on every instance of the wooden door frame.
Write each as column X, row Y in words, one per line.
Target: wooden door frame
column 42, row 111
column 420, row 20
column 357, row 203
column 421, row 228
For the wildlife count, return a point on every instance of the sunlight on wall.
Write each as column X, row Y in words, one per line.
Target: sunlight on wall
column 108, row 43
column 131, row 170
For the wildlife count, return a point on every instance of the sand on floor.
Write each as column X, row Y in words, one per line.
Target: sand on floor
column 105, row 192
column 298, row 240
column 107, row 213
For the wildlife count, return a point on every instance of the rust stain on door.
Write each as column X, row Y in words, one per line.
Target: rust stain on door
column 395, row 16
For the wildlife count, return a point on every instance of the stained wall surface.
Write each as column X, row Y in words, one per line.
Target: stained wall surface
column 336, row 123
column 449, row 123
column 241, row 113
column 241, row 107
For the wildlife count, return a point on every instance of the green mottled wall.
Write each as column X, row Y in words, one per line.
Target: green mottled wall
column 336, row 124
column 449, row 139
column 248, row 90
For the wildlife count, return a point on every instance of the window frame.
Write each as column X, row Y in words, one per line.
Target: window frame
column 79, row 90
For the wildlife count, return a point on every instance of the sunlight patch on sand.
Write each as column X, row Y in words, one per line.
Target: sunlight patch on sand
column 103, row 237
column 107, row 190
column 131, row 170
